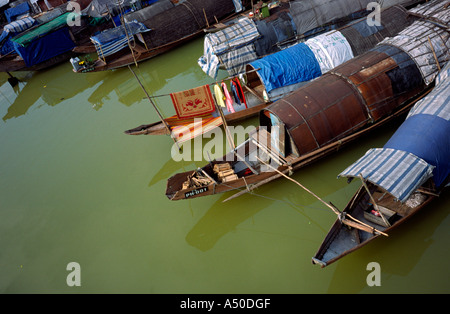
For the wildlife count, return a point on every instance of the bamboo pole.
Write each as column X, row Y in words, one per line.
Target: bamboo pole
column 307, row 190
column 206, row 19
column 355, row 223
column 128, row 40
column 373, row 200
column 230, row 139
column 326, row 149
column 156, row 109
column 434, row 54
column 225, row 125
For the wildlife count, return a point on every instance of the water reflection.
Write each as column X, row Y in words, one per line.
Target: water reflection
column 52, row 86
column 161, row 75
column 223, row 218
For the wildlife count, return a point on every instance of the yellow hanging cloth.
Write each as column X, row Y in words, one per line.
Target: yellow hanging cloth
column 218, row 94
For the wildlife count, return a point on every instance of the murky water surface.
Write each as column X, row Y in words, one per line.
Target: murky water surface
column 75, row 188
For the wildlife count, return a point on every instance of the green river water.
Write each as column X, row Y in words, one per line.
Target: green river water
column 75, row 188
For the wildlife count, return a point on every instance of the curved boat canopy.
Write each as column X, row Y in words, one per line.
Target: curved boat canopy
column 399, row 173
column 419, row 150
column 425, row 133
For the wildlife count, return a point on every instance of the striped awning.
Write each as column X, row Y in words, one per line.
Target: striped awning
column 19, row 25
column 115, row 39
column 436, row 103
column 236, row 37
column 398, row 172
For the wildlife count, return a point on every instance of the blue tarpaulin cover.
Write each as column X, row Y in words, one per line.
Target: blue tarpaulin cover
column 12, row 29
column 112, row 40
column 419, row 150
column 47, row 47
column 21, row 9
column 426, row 131
column 290, row 66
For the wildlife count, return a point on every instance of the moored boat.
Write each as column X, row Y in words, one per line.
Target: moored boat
column 170, row 25
column 362, row 94
column 44, row 39
column 400, row 179
column 247, row 39
column 276, row 75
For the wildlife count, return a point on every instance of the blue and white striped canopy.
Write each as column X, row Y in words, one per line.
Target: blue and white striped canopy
column 19, row 25
column 398, row 172
column 114, row 39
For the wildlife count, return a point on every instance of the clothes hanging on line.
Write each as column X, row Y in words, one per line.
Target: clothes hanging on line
column 218, row 94
column 228, row 100
column 240, row 92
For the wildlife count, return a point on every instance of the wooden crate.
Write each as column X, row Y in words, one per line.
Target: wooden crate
column 221, row 167
column 229, row 178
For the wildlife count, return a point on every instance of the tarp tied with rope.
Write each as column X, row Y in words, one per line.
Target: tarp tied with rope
column 229, row 44
column 115, row 39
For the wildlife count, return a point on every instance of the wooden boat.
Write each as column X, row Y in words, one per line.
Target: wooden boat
column 295, row 23
column 400, row 179
column 79, row 36
column 260, row 74
column 363, row 93
column 168, row 30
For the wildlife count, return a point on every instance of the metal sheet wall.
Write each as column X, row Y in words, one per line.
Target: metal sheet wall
column 320, row 112
column 365, row 89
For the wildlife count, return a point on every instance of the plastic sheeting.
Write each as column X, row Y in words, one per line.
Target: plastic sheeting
column 115, row 39
column 336, row 47
column 236, row 60
column 238, row 5
column 12, row 29
column 265, row 44
column 3, row 3
column 310, row 14
column 21, row 9
column 28, row 37
column 425, row 133
column 362, row 37
column 99, row 8
column 274, row 33
column 398, row 172
column 286, row 70
column 415, row 40
column 331, row 49
column 148, row 12
column 19, row 25
column 290, row 66
column 50, row 15
column 233, row 41
column 47, row 47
